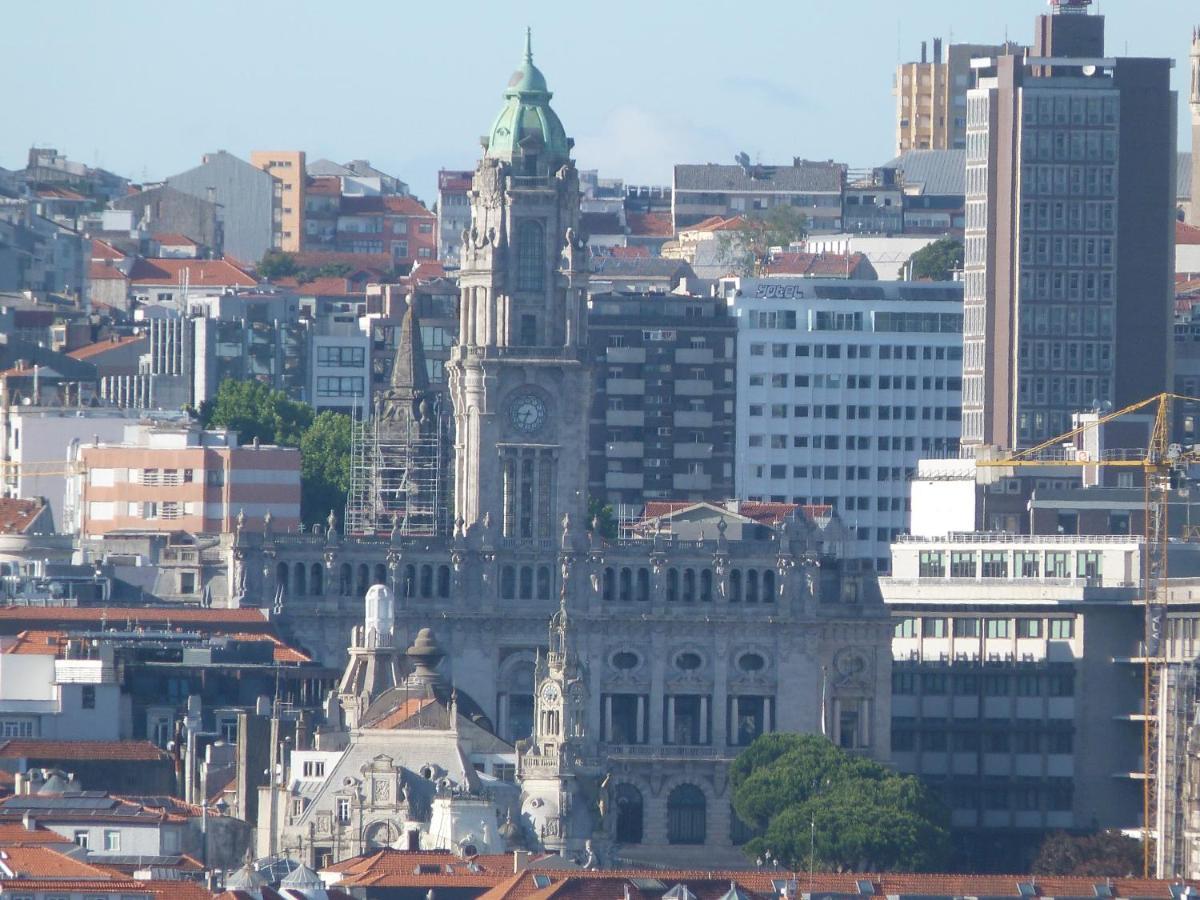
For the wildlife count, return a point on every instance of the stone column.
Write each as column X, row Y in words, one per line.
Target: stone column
column 670, row 720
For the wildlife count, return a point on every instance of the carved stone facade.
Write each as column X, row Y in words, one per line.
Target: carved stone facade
column 692, row 647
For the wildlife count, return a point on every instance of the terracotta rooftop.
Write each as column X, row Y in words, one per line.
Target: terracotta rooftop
column 402, row 713
column 35, row 643
column 1186, row 234
column 815, row 265
column 99, row 347
column 324, row 184
column 200, row 273
column 47, row 862
column 641, row 884
column 406, row 206
column 102, row 271
column 59, row 193
column 170, row 239
column 649, row 224
column 15, row 834
column 629, row 252
column 17, row 515
column 102, row 250
column 424, row 869
column 35, row 748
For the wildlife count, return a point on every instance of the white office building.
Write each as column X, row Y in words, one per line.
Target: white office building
column 841, row 387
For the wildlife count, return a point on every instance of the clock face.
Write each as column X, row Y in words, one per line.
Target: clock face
column 549, row 693
column 527, row 413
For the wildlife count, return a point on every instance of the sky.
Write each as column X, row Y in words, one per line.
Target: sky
column 145, row 88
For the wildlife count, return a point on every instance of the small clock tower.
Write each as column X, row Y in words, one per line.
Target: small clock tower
column 558, row 769
column 519, row 375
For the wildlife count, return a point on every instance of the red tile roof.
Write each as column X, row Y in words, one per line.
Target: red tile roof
column 100, row 347
column 1186, row 234
column 17, row 515
column 104, row 250
column 402, row 713
column 815, row 265
column 35, row 643
column 59, row 193
column 406, row 206
column 629, row 252
column 35, row 748
column 649, row 224
column 426, row 869
column 15, row 834
column 219, row 620
column 102, row 271
column 200, row 273
column 47, row 862
column 718, row 223
column 175, row 240
column 325, row 286
column 324, row 184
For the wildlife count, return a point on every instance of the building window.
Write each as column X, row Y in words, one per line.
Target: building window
column 81, row 839
column 998, row 628
column 87, row 697
column 629, row 814
column 531, row 256
column 343, row 810
column 686, row 815
column 112, row 840
column 1062, row 629
column 314, row 768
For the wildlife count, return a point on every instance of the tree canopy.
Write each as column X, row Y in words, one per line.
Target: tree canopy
column 324, row 466
column 937, row 261
column 746, row 247
column 1107, row 854
column 806, row 797
column 277, row 264
column 602, row 514
column 254, row 410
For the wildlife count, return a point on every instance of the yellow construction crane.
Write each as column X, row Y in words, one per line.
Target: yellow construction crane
column 1160, row 463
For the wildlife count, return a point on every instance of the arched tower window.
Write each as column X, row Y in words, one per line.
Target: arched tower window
column 531, row 256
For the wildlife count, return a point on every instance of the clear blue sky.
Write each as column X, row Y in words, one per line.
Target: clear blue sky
column 144, row 88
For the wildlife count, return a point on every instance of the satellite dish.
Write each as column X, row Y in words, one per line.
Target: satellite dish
column 1089, row 71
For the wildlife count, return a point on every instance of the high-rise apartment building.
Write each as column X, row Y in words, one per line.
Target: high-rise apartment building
column 1070, row 232
column 287, row 166
column 931, row 96
column 662, row 411
column 841, row 387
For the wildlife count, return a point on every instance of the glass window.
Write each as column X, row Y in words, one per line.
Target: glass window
column 1062, row 629
column 1025, row 563
column 1087, row 564
column 906, row 627
column 1057, row 565
column 966, row 628
column 995, row 564
column 933, row 628
column 1029, row 628
column 962, row 564
column 531, row 256
column 999, row 628
column 932, row 564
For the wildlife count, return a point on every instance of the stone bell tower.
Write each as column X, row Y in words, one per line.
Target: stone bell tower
column 519, row 375
column 557, row 768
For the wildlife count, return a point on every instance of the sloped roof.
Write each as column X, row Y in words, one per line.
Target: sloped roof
column 1186, row 234
column 34, row 748
column 200, row 273
column 105, row 250
column 88, row 351
column 811, row 177
column 175, row 240
column 934, row 172
column 651, row 224
column 816, row 265
column 102, row 271
column 17, row 515
column 640, row 267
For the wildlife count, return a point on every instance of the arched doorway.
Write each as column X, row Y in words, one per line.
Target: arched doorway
column 686, row 815
column 629, row 814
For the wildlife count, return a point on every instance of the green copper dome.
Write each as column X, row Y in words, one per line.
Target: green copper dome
column 527, row 124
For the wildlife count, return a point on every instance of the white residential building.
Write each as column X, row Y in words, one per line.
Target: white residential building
column 841, row 387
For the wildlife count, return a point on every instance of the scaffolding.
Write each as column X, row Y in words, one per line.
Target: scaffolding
column 1177, row 789
column 398, row 476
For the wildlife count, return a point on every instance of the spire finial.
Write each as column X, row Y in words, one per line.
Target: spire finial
column 528, row 44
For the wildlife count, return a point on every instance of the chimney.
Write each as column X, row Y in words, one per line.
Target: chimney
column 29, row 821
column 937, row 50
column 924, row 54
column 520, row 860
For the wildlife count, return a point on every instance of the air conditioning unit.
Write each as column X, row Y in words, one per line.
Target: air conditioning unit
column 1008, row 657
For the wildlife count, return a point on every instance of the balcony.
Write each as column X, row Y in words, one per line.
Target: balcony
column 624, row 417
column 693, row 387
column 692, row 418
column 626, row 386
column 693, row 451
column 694, row 355
column 624, row 449
column 623, row 480
column 626, row 355
column 692, row 481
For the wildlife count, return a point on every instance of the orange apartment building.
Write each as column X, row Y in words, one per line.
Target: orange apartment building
column 181, row 478
column 288, row 168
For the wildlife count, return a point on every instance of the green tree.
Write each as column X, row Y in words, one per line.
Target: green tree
column 746, row 247
column 277, row 264
column 811, row 801
column 937, row 261
column 602, row 514
column 1104, row 854
column 324, row 467
column 254, row 410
